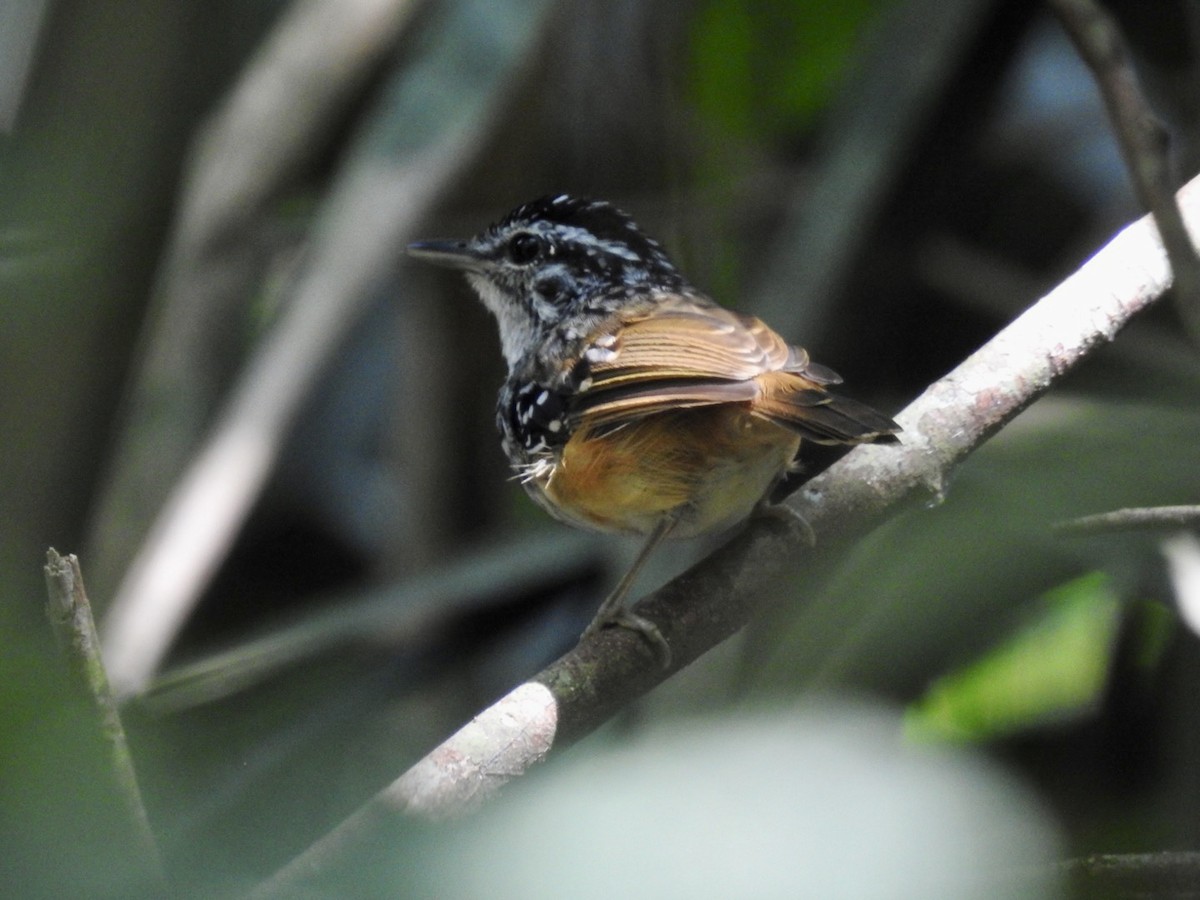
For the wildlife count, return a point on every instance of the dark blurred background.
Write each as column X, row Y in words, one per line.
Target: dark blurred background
column 887, row 182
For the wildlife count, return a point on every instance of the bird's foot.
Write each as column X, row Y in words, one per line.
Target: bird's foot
column 626, row 618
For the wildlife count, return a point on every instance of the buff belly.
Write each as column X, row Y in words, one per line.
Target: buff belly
column 708, row 467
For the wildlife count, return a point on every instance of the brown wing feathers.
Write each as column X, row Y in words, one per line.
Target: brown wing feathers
column 687, row 356
column 613, row 406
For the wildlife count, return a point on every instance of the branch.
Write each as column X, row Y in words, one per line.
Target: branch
column 70, row 615
column 715, row 598
column 1169, row 874
column 1155, row 517
column 1142, row 138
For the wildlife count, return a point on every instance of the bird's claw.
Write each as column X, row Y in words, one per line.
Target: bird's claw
column 626, row 618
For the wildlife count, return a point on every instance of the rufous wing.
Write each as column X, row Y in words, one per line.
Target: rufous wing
column 686, row 354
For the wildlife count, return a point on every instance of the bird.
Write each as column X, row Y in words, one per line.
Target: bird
column 635, row 403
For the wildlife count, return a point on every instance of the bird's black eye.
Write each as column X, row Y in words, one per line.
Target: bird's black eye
column 524, row 248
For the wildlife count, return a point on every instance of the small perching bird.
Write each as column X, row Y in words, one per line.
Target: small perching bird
column 634, row 403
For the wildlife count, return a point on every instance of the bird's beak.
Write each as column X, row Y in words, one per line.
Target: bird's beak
column 451, row 254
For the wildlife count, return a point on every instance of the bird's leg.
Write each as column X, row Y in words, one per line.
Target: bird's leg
column 613, row 610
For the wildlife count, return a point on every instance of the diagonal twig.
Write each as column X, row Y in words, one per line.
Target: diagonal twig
column 1142, row 138
column 1167, row 874
column 1138, row 519
column 70, row 615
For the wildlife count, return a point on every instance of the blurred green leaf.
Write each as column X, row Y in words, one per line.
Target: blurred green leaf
column 1054, row 667
column 766, row 67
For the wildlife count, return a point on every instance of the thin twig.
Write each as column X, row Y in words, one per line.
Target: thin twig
column 714, row 599
column 70, row 615
column 1142, row 138
column 1136, row 519
column 1167, row 874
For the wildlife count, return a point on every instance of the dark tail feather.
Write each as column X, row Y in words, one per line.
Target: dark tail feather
column 828, row 418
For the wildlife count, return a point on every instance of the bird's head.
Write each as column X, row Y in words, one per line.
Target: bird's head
column 552, row 261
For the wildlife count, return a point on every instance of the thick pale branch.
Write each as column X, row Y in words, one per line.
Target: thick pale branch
column 718, row 596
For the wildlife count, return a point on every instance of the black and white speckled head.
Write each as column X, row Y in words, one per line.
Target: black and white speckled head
column 554, row 259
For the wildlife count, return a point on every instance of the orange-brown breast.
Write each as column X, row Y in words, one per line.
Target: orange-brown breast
column 709, row 465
